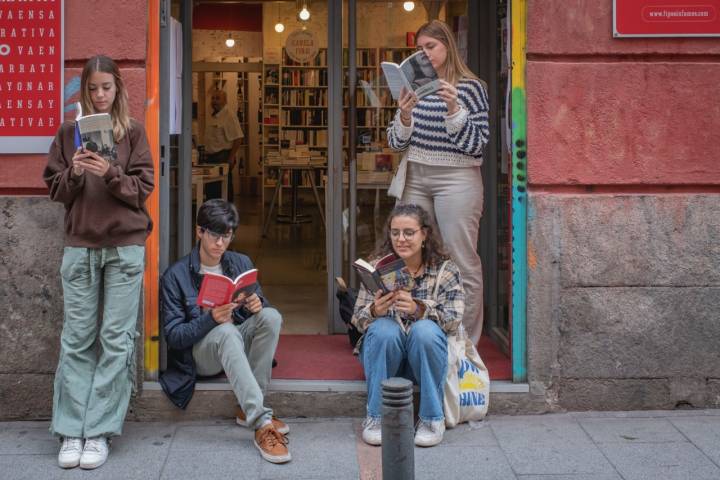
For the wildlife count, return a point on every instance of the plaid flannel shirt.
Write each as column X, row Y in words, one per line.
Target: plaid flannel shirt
column 446, row 310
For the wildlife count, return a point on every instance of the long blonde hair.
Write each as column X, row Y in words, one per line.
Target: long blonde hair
column 455, row 68
column 120, row 111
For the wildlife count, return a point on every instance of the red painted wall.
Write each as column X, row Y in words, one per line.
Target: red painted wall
column 619, row 112
column 117, row 29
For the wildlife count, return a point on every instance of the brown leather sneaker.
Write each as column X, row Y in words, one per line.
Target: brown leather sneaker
column 272, row 444
column 241, row 420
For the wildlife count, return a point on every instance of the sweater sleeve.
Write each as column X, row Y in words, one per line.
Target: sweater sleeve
column 398, row 135
column 469, row 128
column 135, row 184
column 58, row 176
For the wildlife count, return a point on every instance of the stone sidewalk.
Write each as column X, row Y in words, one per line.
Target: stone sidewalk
column 656, row 445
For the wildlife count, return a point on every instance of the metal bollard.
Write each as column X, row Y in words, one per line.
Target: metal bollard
column 398, row 449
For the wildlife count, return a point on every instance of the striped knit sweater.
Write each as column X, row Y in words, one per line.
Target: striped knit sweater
column 434, row 138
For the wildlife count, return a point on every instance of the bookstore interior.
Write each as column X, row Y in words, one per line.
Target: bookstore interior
column 270, row 60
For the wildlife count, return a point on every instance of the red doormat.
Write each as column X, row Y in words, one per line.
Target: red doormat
column 329, row 357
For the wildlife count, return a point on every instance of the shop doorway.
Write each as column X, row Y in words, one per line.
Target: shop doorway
column 310, row 179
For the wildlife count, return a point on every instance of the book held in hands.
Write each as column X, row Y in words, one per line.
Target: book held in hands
column 94, row 133
column 217, row 290
column 388, row 274
column 415, row 73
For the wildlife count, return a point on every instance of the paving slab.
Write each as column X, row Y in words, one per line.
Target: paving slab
column 600, row 476
column 548, row 445
column 242, row 461
column 637, row 430
column 703, row 432
column 666, row 461
column 320, row 450
column 479, row 434
column 462, row 462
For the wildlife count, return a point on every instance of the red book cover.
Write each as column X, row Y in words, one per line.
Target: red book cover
column 217, row 290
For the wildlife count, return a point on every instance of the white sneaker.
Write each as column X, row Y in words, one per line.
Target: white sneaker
column 429, row 434
column 95, row 453
column 70, row 451
column 372, row 431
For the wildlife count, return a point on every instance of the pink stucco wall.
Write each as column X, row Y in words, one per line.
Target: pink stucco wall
column 117, row 29
column 604, row 111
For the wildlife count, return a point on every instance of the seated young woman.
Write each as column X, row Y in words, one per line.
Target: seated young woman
column 405, row 332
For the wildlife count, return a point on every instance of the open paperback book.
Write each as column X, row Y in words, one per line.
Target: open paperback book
column 217, row 290
column 388, row 274
column 94, row 133
column 415, row 73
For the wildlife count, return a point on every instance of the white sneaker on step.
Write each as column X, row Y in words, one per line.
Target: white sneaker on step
column 70, row 451
column 94, row 453
column 429, row 434
column 372, row 431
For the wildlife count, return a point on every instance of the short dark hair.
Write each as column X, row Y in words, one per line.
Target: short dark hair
column 218, row 216
column 433, row 252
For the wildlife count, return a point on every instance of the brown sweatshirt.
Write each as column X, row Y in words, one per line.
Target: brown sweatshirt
column 106, row 211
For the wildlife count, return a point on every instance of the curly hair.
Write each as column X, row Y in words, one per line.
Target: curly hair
column 433, row 252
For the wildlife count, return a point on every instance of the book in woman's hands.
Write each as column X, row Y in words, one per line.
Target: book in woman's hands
column 94, row 133
column 217, row 290
column 388, row 274
column 415, row 73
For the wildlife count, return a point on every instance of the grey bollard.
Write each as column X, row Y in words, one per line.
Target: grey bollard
column 398, row 448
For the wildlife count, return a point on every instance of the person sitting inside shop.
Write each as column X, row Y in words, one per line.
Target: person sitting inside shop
column 405, row 332
column 238, row 338
column 223, row 139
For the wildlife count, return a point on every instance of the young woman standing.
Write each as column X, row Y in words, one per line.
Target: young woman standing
column 443, row 136
column 106, row 225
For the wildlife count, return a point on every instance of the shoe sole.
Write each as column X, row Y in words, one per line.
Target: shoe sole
column 426, row 445
column 285, row 430
column 374, row 444
column 92, row 466
column 271, row 458
column 68, row 464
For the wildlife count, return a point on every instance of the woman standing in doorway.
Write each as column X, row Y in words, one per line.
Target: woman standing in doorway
column 443, row 135
column 106, row 225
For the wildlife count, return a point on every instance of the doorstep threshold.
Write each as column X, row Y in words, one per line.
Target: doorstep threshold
column 280, row 385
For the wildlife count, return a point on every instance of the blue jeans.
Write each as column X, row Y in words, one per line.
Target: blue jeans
column 420, row 356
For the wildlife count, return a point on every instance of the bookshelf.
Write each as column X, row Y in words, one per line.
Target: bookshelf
column 294, row 109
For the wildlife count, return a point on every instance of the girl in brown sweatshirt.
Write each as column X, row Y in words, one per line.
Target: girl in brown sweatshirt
column 106, row 225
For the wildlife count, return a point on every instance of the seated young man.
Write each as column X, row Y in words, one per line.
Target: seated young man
column 238, row 338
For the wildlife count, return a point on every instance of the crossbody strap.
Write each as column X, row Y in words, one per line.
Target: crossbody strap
column 437, row 280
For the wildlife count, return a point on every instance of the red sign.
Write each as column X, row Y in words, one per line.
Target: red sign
column 666, row 18
column 31, row 75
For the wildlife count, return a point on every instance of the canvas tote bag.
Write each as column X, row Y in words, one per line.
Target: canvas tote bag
column 397, row 184
column 467, row 385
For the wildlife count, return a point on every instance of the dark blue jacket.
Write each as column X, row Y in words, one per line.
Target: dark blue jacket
column 184, row 323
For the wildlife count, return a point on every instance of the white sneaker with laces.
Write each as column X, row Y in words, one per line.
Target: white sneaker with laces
column 429, row 434
column 372, row 431
column 95, row 453
column 70, row 451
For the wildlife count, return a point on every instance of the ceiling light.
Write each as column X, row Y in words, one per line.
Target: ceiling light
column 229, row 42
column 304, row 14
column 279, row 27
column 409, row 6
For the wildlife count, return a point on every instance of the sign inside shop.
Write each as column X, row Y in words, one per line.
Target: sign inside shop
column 301, row 46
column 666, row 18
column 31, row 75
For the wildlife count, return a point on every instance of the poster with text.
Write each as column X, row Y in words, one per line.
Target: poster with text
column 31, row 75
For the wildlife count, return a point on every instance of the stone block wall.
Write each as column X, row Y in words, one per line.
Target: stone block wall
column 623, row 222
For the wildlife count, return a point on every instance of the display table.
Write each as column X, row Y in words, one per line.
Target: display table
column 205, row 174
column 294, row 217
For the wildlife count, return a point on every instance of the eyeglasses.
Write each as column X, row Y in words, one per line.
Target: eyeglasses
column 407, row 233
column 225, row 237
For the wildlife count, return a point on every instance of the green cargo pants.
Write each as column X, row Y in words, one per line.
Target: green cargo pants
column 92, row 392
